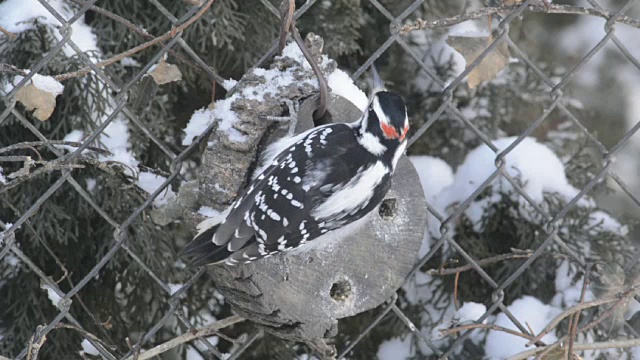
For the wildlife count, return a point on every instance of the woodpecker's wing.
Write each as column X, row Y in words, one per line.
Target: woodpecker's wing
column 310, row 188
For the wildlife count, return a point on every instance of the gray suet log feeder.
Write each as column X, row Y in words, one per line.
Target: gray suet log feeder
column 300, row 295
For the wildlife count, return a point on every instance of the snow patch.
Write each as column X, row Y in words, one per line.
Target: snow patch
column 539, row 170
column 129, row 62
column 53, row 296
column 3, row 180
column 73, row 136
column 435, row 175
column 17, row 15
column 150, row 182
column 201, row 119
column 529, row 310
column 91, row 184
column 229, row 83
column 470, row 311
column 48, row 84
column 274, row 79
column 174, row 288
column 87, row 348
column 342, row 85
column 568, row 290
column 396, row 349
column 603, row 221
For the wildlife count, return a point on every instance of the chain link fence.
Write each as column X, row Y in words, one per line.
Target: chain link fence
column 505, row 13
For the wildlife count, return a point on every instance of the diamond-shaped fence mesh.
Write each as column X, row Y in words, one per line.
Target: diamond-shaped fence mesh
column 502, row 13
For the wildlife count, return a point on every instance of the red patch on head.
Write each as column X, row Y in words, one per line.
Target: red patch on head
column 389, row 131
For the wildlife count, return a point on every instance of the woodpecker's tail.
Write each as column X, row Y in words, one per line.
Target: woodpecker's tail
column 202, row 251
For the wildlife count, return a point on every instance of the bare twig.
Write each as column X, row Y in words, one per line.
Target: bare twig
column 36, row 345
column 322, row 82
column 620, row 344
column 136, row 29
column 30, row 144
column 573, row 324
column 458, row 329
column 587, row 327
column 551, row 9
column 8, row 33
column 86, row 334
column 61, row 164
column 206, row 331
column 122, row 55
column 287, row 8
column 579, row 307
column 10, row 69
column 487, row 261
column 455, row 291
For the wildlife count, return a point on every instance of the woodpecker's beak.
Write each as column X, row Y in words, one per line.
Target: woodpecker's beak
column 376, row 82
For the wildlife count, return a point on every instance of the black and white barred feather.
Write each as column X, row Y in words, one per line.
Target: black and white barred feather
column 310, row 184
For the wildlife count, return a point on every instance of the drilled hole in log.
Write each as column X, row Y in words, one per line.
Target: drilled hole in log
column 387, row 208
column 340, row 290
column 324, row 120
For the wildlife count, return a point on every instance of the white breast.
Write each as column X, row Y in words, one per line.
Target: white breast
column 356, row 192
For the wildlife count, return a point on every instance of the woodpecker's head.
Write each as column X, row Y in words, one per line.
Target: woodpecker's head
column 386, row 117
column 388, row 111
column 384, row 124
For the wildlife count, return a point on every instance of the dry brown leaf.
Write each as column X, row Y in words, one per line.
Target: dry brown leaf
column 165, row 73
column 42, row 101
column 488, row 68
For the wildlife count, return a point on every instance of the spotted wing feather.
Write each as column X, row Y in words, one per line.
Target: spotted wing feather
column 276, row 212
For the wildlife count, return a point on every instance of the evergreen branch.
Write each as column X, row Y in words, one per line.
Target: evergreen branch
column 619, row 344
column 192, row 335
column 13, row 36
column 168, row 35
column 420, row 24
column 131, row 26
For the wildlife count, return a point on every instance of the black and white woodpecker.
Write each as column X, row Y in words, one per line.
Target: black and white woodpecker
column 310, row 186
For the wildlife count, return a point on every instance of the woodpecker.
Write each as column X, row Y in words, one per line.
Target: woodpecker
column 310, row 185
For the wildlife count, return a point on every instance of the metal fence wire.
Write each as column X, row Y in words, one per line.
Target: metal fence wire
column 447, row 106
